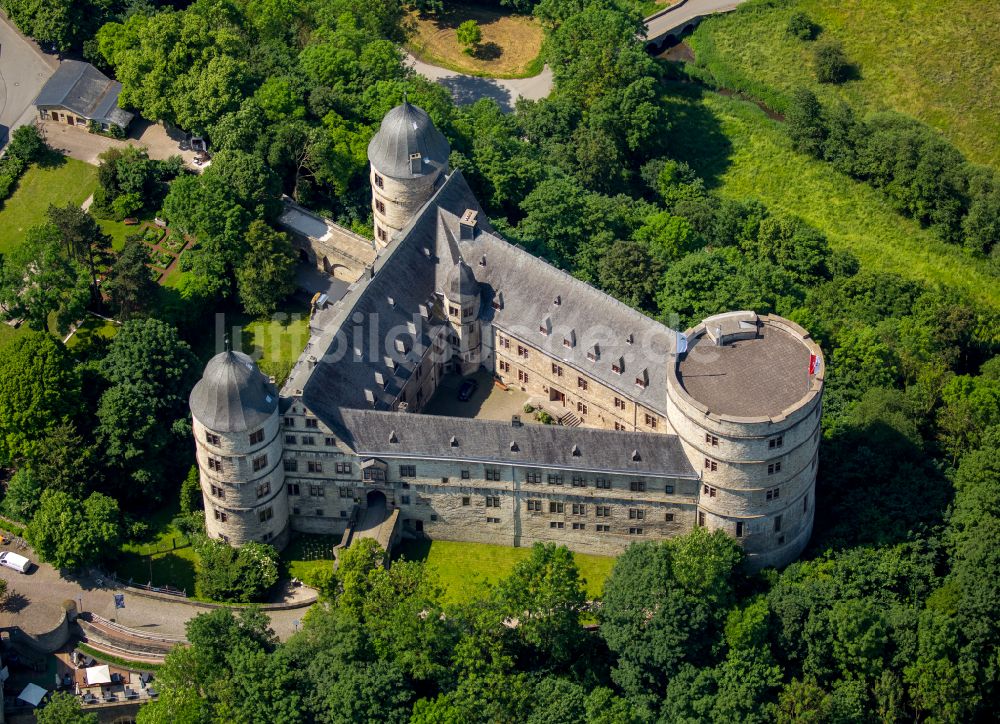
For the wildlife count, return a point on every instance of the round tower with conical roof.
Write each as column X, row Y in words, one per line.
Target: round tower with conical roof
column 237, row 432
column 409, row 159
column 461, row 299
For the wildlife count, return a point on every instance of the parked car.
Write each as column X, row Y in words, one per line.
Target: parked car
column 13, row 560
column 467, row 390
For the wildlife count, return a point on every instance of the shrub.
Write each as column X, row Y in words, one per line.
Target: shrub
column 830, row 62
column 236, row 576
column 26, row 144
column 469, row 35
column 801, row 26
column 544, row 417
column 125, row 205
column 528, row 408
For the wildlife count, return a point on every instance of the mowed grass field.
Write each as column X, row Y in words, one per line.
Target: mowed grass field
column 69, row 181
column 511, row 46
column 462, row 569
column 746, row 155
column 937, row 60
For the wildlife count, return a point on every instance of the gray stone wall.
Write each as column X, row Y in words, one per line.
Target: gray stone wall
column 401, row 199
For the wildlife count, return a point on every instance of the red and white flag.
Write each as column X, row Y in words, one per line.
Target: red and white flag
column 814, row 364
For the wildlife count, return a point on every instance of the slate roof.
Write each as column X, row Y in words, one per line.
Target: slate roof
column 548, row 446
column 233, row 395
column 461, row 282
column 406, row 130
column 83, row 89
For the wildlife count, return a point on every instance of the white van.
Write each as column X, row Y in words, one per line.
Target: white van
column 15, row 561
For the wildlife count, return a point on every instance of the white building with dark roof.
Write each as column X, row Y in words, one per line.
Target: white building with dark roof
column 651, row 442
column 78, row 93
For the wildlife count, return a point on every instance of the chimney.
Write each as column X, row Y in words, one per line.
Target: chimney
column 416, row 163
column 467, row 225
column 515, row 421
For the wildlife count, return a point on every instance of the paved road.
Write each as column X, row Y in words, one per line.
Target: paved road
column 676, row 17
column 23, row 71
column 149, row 615
column 467, row 89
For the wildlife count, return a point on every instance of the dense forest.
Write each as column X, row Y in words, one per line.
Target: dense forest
column 892, row 613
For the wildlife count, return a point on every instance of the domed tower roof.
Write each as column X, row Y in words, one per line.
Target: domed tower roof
column 407, row 130
column 461, row 283
column 233, row 395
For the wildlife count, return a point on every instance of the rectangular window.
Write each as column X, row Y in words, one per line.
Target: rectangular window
column 619, row 404
column 291, row 466
column 535, row 506
column 504, row 342
column 492, row 473
column 465, row 500
column 492, row 501
column 259, row 463
column 221, row 516
column 504, row 366
column 581, row 407
column 533, row 477
column 308, row 440
column 317, row 491
column 557, row 370
column 651, row 421
column 215, row 464
column 773, row 494
column 669, row 517
column 602, row 483
column 314, row 466
column 466, row 475
column 522, row 351
column 579, row 509
column 330, row 441
column 404, row 499
column 579, row 526
column 775, row 442
column 522, row 376
column 777, row 524
column 557, row 524
column 637, row 486
column 773, row 468
column 263, row 489
column 805, row 504
column 602, row 511
column 407, row 471
column 265, row 515
column 582, row 383
column 555, row 479
column 379, row 206
column 669, row 490
column 601, row 528
column 256, row 437
column 579, row 481
column 711, row 465
column 312, row 422
column 555, row 507
column 289, row 439
column 346, row 492
column 375, row 474
column 343, row 468
column 379, row 181
column 293, row 488
column 701, row 519
column 211, row 438
column 289, row 422
column 636, row 514
column 218, row 492
column 492, row 520
column 739, row 529
column 619, row 426
column 319, row 512
column 635, row 531
column 711, row 440
column 708, row 490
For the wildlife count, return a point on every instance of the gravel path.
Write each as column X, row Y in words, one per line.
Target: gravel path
column 467, row 89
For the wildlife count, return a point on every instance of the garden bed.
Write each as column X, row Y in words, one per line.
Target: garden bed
column 161, row 259
column 173, row 243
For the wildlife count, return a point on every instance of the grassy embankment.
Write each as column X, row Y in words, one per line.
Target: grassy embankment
column 463, row 568
column 746, row 155
column 511, row 46
column 936, row 61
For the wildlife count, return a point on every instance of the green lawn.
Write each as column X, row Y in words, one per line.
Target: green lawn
column 307, row 554
column 280, row 340
column 91, row 332
column 463, row 568
column 173, row 559
column 69, row 181
column 938, row 61
column 746, row 155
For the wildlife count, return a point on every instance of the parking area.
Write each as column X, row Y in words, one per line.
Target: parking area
column 488, row 402
column 159, row 141
column 23, row 71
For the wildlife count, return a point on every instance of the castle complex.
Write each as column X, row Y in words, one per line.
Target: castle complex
column 716, row 427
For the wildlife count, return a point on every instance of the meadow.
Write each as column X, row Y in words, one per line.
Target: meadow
column 937, row 61
column 744, row 154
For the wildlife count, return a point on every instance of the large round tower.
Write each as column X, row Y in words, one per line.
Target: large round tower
column 234, row 410
column 409, row 158
column 745, row 400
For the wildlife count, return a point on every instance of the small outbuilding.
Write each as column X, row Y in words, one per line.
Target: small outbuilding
column 78, row 94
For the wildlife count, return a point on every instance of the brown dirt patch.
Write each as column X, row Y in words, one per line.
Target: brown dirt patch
column 509, row 48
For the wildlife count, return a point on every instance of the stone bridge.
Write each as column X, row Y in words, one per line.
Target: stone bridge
column 666, row 27
column 330, row 248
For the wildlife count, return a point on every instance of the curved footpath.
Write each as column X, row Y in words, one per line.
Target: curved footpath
column 149, row 615
column 467, row 89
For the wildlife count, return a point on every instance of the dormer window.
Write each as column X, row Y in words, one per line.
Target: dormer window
column 629, row 339
column 643, row 379
column 618, row 366
column 570, row 339
column 546, row 326
column 594, row 353
column 557, row 301
column 498, row 301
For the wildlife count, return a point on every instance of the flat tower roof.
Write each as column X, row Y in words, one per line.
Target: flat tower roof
column 758, row 376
